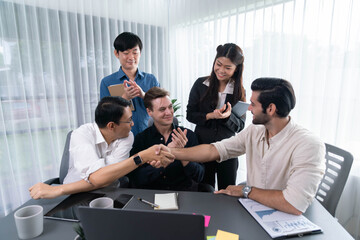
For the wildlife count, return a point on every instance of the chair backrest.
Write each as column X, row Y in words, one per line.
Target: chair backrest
column 64, row 166
column 338, row 165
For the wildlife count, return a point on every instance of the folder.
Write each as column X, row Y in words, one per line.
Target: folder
column 118, row 90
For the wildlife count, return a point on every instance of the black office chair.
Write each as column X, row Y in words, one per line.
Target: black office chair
column 64, row 167
column 338, row 165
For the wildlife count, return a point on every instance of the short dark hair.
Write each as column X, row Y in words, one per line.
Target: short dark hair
column 127, row 40
column 110, row 109
column 277, row 91
column 154, row 93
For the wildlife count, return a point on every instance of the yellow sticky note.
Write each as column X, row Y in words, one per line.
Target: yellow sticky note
column 222, row 235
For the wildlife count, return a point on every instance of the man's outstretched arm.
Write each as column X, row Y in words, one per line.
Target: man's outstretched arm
column 110, row 173
column 102, row 177
column 200, row 153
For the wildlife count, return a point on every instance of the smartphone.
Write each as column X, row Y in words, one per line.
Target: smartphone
column 122, row 200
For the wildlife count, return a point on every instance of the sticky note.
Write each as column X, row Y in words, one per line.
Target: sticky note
column 210, row 238
column 222, row 235
column 207, row 220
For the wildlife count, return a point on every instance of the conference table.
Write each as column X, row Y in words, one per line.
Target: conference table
column 226, row 213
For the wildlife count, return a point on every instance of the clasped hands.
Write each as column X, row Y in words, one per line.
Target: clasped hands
column 221, row 113
column 132, row 90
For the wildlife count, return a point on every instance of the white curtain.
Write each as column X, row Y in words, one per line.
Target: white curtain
column 315, row 44
column 53, row 55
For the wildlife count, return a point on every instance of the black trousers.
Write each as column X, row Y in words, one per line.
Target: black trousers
column 226, row 173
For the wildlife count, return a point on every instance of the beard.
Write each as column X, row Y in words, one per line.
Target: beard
column 262, row 118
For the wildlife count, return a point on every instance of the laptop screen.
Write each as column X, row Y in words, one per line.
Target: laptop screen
column 125, row 224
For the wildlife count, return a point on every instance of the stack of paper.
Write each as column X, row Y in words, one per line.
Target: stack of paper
column 166, row 201
column 277, row 223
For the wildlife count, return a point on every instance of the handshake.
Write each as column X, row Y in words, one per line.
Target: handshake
column 157, row 156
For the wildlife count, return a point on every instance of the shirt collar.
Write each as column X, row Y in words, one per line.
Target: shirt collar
column 229, row 89
column 280, row 135
column 154, row 130
column 99, row 137
column 139, row 74
column 284, row 132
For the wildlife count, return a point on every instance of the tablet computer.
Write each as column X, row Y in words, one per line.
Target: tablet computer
column 67, row 210
column 240, row 108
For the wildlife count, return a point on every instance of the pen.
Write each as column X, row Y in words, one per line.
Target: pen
column 149, row 203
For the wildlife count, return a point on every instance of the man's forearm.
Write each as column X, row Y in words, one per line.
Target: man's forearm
column 200, row 153
column 107, row 175
column 110, row 173
column 274, row 199
column 75, row 187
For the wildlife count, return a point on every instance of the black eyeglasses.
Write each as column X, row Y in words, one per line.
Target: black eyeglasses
column 131, row 121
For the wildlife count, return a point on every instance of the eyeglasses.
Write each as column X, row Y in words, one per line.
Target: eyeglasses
column 131, row 121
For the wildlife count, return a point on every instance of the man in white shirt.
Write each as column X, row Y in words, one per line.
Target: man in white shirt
column 285, row 162
column 99, row 152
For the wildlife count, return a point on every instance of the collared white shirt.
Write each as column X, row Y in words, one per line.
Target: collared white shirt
column 293, row 161
column 89, row 152
column 229, row 89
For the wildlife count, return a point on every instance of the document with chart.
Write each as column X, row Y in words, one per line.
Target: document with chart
column 277, row 223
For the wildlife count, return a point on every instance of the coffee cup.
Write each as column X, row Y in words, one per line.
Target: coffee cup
column 29, row 221
column 102, row 202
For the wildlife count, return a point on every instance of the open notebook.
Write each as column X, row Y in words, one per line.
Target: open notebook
column 166, row 201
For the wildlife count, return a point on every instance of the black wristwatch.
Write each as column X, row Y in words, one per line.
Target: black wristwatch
column 246, row 191
column 137, row 160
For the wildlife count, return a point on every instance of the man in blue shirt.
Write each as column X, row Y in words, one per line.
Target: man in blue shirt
column 128, row 48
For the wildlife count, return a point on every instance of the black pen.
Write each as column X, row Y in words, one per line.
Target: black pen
column 149, row 203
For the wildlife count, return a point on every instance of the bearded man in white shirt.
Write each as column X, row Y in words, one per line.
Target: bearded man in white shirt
column 99, row 152
column 285, row 162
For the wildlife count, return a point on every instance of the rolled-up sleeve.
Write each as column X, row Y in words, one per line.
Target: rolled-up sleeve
column 306, row 171
column 231, row 147
column 84, row 155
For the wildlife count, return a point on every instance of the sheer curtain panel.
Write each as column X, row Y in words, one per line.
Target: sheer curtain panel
column 53, row 55
column 314, row 44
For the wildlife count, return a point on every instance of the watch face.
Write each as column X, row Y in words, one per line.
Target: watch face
column 246, row 190
column 137, row 160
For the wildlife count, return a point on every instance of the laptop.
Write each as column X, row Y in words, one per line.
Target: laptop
column 99, row 223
